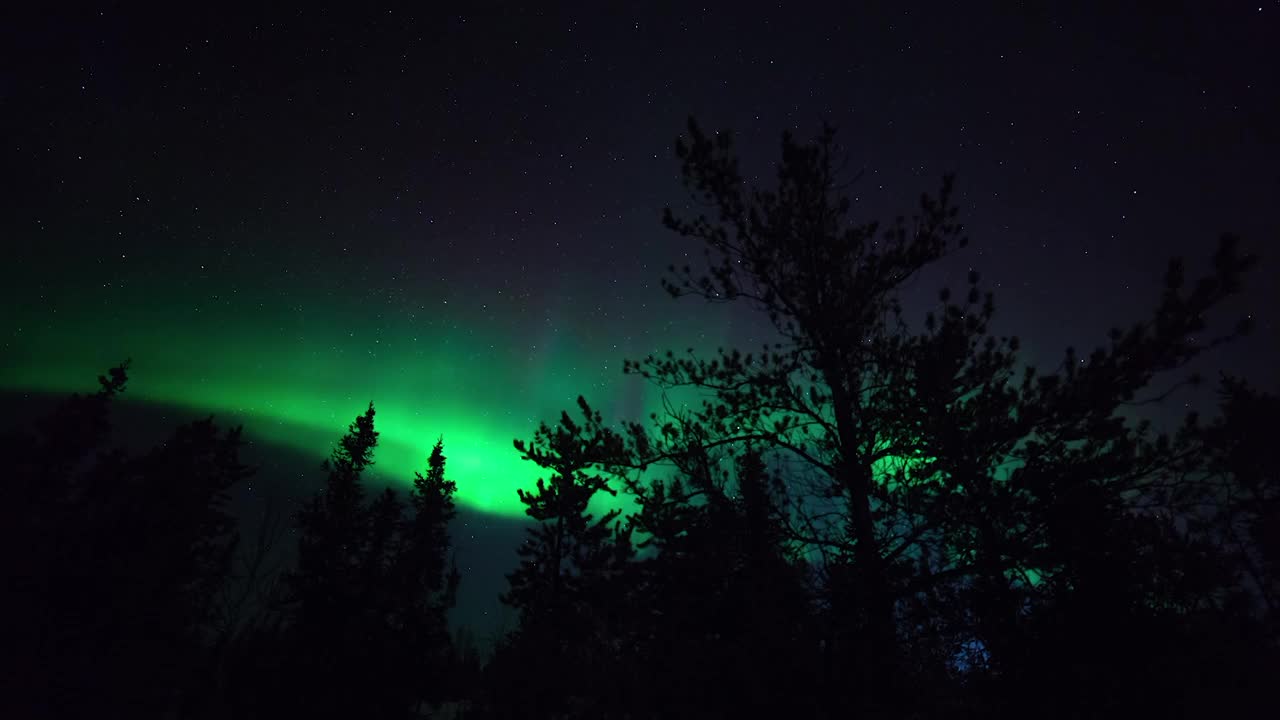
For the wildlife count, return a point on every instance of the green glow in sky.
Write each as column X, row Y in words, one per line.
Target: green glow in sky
column 296, row 364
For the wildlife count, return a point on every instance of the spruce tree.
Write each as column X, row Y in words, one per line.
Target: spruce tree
column 426, row 582
column 368, row 603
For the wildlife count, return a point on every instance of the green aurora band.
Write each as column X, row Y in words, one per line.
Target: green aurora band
column 296, row 378
column 296, row 365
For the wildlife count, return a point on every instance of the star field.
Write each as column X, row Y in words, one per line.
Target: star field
column 282, row 215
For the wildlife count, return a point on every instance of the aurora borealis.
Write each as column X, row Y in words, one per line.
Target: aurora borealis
column 296, row 381
column 456, row 215
column 902, row 461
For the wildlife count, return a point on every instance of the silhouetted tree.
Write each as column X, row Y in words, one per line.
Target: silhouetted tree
column 1245, row 490
column 720, row 608
column 112, row 561
column 824, row 393
column 567, row 587
column 332, row 643
column 968, row 510
column 366, row 620
column 428, row 579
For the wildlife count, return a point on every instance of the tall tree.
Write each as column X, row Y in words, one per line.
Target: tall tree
column 369, row 598
column 823, row 393
column 943, row 469
column 332, row 534
column 427, row 577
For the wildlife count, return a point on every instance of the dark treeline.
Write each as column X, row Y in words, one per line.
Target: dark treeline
column 864, row 518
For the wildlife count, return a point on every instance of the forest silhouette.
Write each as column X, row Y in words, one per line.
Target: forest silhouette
column 869, row 516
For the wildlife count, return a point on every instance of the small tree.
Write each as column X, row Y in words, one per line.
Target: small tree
column 566, row 587
column 720, row 604
column 112, row 560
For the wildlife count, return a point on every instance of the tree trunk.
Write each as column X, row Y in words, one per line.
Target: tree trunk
column 877, row 656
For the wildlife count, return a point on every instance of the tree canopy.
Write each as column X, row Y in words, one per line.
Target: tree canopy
column 871, row 514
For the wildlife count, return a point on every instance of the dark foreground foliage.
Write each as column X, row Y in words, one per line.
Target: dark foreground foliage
column 871, row 516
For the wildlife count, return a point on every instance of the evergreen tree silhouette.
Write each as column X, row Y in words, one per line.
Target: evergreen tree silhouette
column 112, row 561
column 367, row 604
column 332, row 643
column 567, row 587
column 426, row 582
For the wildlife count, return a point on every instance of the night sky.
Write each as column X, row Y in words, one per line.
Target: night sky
column 283, row 215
